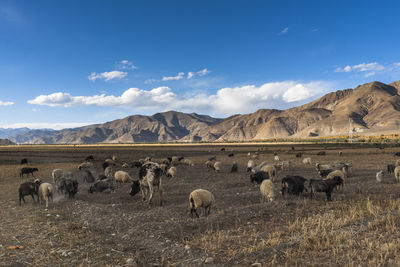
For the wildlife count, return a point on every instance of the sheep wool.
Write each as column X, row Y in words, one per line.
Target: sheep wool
column 217, row 166
column 379, row 176
column 171, row 172
column 271, row 170
column 122, row 177
column 307, row 161
column 397, row 174
column 397, row 162
column 56, row 174
column 46, row 192
column 201, row 198
column 267, row 191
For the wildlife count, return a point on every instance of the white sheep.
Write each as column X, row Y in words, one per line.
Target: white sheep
column 307, row 161
column 276, row 158
column 217, row 166
column 188, row 162
column 379, row 176
column 267, row 191
column 397, row 162
column 46, row 192
column 85, row 165
column 397, row 174
column 125, row 165
column 271, row 170
column 320, row 167
column 285, row 165
column 56, row 174
column 114, row 158
column 122, row 177
column 250, row 165
column 171, row 172
column 201, row 198
column 110, row 162
column 108, row 172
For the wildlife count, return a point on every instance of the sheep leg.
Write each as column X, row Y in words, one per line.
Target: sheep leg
column 160, row 192
column 143, row 193
column 47, row 202
column 151, row 189
column 328, row 196
column 33, row 198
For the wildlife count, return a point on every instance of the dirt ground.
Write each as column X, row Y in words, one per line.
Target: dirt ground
column 361, row 226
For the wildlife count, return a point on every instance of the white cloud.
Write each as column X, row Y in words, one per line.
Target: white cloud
column 190, row 75
column 149, row 81
column 177, row 77
column 126, row 65
column 106, row 76
column 284, row 31
column 370, row 68
column 44, row 125
column 203, row 72
column 225, row 101
column 6, row 103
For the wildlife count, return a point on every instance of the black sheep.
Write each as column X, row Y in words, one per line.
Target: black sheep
column 24, row 161
column 299, row 155
column 327, row 186
column 321, row 153
column 293, row 185
column 231, row 155
column 89, row 158
column 397, row 154
column 87, row 176
column 28, row 188
column 102, row 185
column 27, row 171
column 390, row 168
column 324, row 173
column 212, row 158
column 234, row 167
column 259, row 176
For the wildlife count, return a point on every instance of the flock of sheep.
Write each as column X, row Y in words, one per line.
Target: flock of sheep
column 151, row 175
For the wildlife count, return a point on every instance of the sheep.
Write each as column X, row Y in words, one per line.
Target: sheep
column 293, row 185
column 28, row 188
column 212, row 158
column 45, row 193
column 267, row 191
column 102, row 177
column 147, row 159
column 285, row 165
column 217, row 166
column 319, row 167
column 271, row 170
column 67, row 184
column 223, row 149
column 338, row 173
column 390, row 168
column 321, row 153
column 299, row 155
column 164, row 168
column 85, row 165
column 109, row 162
column 397, row 154
column 188, row 162
column 276, row 158
column 136, row 164
column 102, row 185
column 234, row 167
column 327, row 186
column 379, row 176
column 201, row 198
column 150, row 175
column 171, row 172
column 324, row 173
column 397, row 162
column 125, row 165
column 122, row 177
column 89, row 158
column 250, row 165
column 231, row 155
column 109, row 171
column 114, row 158
column 209, row 164
column 397, row 174
column 340, row 153
column 27, row 171
column 56, row 174
column 24, row 161
column 307, row 161
column 259, row 176
column 87, row 176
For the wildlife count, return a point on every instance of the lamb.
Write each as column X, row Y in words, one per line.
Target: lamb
column 45, row 193
column 397, row 174
column 122, row 177
column 85, row 165
column 150, row 175
column 28, row 188
column 171, row 172
column 201, row 198
column 390, row 168
column 267, row 191
column 293, row 185
column 24, row 161
column 270, row 170
column 27, row 171
column 217, row 166
column 379, row 176
column 276, row 158
column 56, row 174
column 234, row 167
column 327, row 186
column 307, row 161
column 250, row 165
column 87, row 176
column 259, row 177
column 102, row 185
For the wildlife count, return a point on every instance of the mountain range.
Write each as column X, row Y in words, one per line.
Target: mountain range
column 372, row 108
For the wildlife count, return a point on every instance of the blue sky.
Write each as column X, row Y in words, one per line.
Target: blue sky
column 71, row 63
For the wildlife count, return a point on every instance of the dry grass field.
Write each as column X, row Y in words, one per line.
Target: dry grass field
column 360, row 227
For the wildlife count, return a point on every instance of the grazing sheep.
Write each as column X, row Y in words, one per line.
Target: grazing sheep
column 102, row 185
column 109, row 162
column 397, row 162
column 254, row 156
column 390, row 168
column 56, row 174
column 379, row 176
column 148, row 159
column 259, row 176
column 271, row 170
column 250, row 165
column 321, row 153
column 171, row 172
column 234, row 167
column 212, row 158
column 45, row 192
column 293, row 185
column 87, row 176
column 285, row 165
column 24, row 161
column 136, row 164
column 334, row 173
column 209, row 164
column 299, row 155
column 67, row 184
column 327, row 186
column 27, row 171
column 28, row 188
column 267, row 191
column 102, row 177
column 340, row 153
column 223, row 149
column 188, row 162
column 307, row 161
column 89, row 158
column 217, row 166
column 231, row 155
column 276, row 158
column 109, row 172
column 319, row 167
column 85, row 165
column 201, row 198
column 397, row 154
column 122, row 177
column 125, row 165
column 114, row 158
column 175, row 158
column 397, row 174
column 164, row 168
column 324, row 173
column 150, row 175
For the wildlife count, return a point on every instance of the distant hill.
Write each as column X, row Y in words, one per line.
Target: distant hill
column 6, row 132
column 374, row 108
column 6, row 142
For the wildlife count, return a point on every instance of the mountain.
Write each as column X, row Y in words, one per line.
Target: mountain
column 7, row 132
column 6, row 142
column 373, row 108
